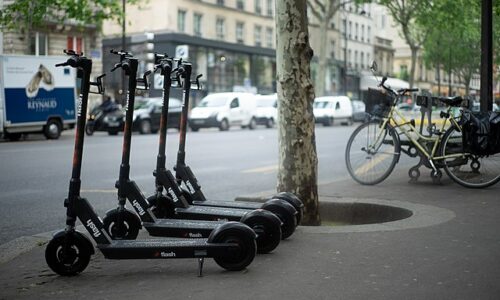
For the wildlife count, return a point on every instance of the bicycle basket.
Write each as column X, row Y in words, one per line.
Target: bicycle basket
column 481, row 132
column 378, row 104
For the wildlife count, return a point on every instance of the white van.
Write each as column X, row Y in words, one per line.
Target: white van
column 223, row 110
column 266, row 112
column 330, row 109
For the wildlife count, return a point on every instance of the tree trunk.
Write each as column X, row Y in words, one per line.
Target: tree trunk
column 322, row 61
column 298, row 161
column 414, row 51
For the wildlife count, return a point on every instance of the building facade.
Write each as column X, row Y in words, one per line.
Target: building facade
column 232, row 43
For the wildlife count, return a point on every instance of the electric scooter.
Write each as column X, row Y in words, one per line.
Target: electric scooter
column 232, row 244
column 176, row 205
column 122, row 224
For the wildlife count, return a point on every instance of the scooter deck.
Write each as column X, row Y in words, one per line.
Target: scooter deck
column 161, row 249
column 181, row 228
column 229, row 204
column 210, row 213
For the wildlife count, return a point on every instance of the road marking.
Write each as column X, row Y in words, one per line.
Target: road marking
column 266, row 169
column 373, row 162
column 99, row 191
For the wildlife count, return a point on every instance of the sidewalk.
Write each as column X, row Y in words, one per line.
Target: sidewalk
column 449, row 249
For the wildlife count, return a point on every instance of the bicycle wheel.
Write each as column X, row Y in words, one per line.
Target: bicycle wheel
column 472, row 171
column 372, row 152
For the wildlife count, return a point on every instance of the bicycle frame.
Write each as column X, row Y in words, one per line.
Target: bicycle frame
column 406, row 127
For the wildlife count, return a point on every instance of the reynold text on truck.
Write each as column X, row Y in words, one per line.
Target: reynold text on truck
column 35, row 96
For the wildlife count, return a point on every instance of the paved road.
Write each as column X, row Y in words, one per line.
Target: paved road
column 35, row 173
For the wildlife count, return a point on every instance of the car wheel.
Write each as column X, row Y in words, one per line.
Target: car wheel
column 253, row 124
column 145, row 127
column 224, row 125
column 270, row 123
column 52, row 130
column 328, row 122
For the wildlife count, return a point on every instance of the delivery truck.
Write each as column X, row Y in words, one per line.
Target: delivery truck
column 35, row 96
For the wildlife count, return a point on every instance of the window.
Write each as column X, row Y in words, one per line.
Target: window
column 344, row 27
column 39, row 44
column 362, row 33
column 270, row 6
column 220, row 2
column 234, row 103
column 181, row 20
column 349, row 57
column 220, row 28
column 240, row 4
column 240, row 27
column 355, row 59
column 74, row 43
column 197, row 24
column 258, row 7
column 368, row 33
column 332, row 52
column 362, row 59
column 257, row 35
column 350, row 29
column 356, row 32
column 269, row 37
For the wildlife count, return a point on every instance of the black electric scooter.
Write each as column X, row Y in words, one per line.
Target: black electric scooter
column 176, row 205
column 232, row 245
column 123, row 224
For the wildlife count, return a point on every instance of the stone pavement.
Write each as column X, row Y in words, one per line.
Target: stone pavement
column 448, row 249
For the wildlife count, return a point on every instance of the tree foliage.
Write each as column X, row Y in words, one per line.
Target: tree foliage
column 27, row 14
column 454, row 40
column 407, row 15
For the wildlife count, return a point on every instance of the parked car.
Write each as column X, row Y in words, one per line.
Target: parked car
column 266, row 111
column 223, row 110
column 358, row 111
column 147, row 114
column 330, row 109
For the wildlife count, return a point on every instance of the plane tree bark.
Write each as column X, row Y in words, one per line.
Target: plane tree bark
column 298, row 163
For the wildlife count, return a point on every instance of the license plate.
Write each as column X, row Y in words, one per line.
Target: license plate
column 113, row 124
column 198, row 121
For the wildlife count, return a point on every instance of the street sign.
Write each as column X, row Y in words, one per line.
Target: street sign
column 182, row 51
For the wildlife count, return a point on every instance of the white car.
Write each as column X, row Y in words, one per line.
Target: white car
column 223, row 110
column 331, row 109
column 266, row 112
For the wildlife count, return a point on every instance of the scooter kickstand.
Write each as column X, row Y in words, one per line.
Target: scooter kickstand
column 200, row 266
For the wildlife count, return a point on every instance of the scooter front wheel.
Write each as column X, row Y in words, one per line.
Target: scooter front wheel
column 122, row 224
column 267, row 226
column 68, row 255
column 239, row 257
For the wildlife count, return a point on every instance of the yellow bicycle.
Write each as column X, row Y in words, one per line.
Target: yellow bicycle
column 374, row 148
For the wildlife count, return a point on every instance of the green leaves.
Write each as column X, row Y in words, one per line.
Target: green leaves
column 27, row 14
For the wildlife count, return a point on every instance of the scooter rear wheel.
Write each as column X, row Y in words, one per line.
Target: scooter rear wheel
column 294, row 201
column 241, row 257
column 162, row 206
column 267, row 226
column 122, row 224
column 67, row 259
column 285, row 212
